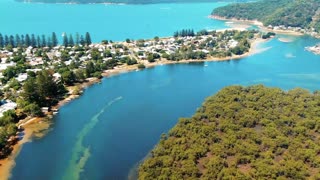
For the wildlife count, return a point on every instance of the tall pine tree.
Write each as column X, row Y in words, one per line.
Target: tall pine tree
column 6, row 40
column 54, row 39
column 77, row 39
column 38, row 41
column 65, row 40
column 1, row 40
column 82, row 41
column 11, row 41
column 88, row 39
column 28, row 40
column 22, row 40
column 18, row 41
column 33, row 41
column 71, row 42
column 43, row 41
column 49, row 42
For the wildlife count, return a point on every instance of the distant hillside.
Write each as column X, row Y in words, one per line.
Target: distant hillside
column 294, row 13
column 125, row 1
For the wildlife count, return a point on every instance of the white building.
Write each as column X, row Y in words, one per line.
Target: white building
column 4, row 66
column 6, row 106
column 22, row 77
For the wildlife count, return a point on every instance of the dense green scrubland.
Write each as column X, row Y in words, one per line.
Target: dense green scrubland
column 295, row 13
column 243, row 133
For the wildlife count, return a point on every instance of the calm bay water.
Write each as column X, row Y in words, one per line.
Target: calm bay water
column 115, row 22
column 108, row 130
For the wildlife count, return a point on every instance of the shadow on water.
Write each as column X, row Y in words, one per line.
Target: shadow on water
column 197, row 63
column 134, row 171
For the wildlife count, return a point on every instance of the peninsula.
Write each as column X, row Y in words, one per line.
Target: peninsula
column 242, row 133
column 37, row 73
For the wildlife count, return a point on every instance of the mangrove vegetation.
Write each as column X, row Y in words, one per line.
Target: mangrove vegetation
column 243, row 133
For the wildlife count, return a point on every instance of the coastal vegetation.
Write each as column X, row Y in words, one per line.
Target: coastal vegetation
column 40, row 41
column 302, row 14
column 185, row 33
column 243, row 133
column 268, row 35
column 8, row 129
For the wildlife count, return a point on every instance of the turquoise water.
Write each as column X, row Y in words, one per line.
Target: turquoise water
column 112, row 22
column 113, row 126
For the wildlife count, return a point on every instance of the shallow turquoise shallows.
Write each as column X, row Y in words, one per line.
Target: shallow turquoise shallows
column 113, row 126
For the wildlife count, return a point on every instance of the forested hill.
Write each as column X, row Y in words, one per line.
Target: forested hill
column 294, row 13
column 243, row 133
column 126, row 1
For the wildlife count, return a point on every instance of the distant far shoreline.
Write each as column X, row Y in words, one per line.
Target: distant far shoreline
column 128, row 2
column 75, row 3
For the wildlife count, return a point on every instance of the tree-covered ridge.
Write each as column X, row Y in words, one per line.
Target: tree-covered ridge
column 243, row 133
column 294, row 13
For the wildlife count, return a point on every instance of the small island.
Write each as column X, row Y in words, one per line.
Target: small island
column 242, row 133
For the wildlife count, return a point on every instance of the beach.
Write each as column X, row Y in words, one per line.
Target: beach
column 254, row 22
column 34, row 127
column 243, row 22
column 285, row 32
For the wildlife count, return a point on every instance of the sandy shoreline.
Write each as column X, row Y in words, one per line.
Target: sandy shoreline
column 32, row 127
column 37, row 125
column 8, row 163
column 253, row 50
column 257, row 23
column 284, row 32
column 254, row 22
